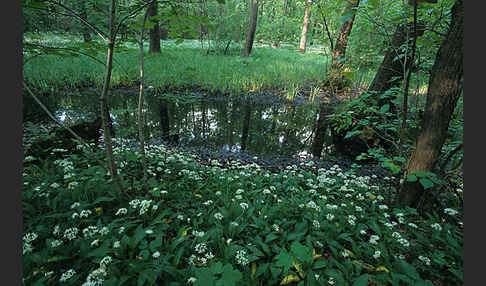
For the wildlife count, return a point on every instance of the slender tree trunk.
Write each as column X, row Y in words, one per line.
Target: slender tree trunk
column 321, row 129
column 140, row 120
column 154, row 46
column 105, row 114
column 442, row 96
column 252, row 28
column 407, row 80
column 339, row 51
column 305, row 26
column 246, row 126
column 83, row 14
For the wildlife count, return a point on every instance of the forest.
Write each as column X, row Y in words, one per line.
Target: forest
column 242, row 142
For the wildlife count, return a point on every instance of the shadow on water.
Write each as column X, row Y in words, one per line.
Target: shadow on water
column 223, row 127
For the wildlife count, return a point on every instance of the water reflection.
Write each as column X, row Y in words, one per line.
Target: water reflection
column 259, row 129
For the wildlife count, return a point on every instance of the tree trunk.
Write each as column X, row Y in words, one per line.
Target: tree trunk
column 390, row 72
column 246, row 126
column 305, row 26
column 154, row 46
column 251, row 30
column 164, row 119
column 339, row 52
column 105, row 114
column 321, row 129
column 85, row 29
column 140, row 120
column 442, row 96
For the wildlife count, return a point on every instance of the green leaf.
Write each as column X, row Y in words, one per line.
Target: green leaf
column 204, row 277
column 179, row 41
column 426, row 183
column 361, row 280
column 217, row 268
column 411, row 178
column 301, row 252
column 284, row 260
column 352, row 133
column 230, row 276
column 385, row 108
column 319, row 263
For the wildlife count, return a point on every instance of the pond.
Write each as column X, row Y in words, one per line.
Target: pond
column 260, row 126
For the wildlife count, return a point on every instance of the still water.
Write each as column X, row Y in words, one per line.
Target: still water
column 259, row 126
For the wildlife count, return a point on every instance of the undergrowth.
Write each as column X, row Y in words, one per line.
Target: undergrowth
column 225, row 223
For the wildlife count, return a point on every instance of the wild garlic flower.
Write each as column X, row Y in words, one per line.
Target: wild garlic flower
column 96, row 277
column 29, row 237
column 377, row 254
column 316, row 224
column 56, row 243
column 436, row 226
column 241, row 257
column 374, row 239
column 74, row 205
column 191, row 280
column 450, row 211
column 121, row 211
column 156, row 255
column 105, row 261
column 67, row 275
column 424, row 259
column 71, row 233
column 244, row 206
column 218, row 216
column 329, row 217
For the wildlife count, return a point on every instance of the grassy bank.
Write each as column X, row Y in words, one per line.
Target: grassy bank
column 226, row 225
column 184, row 66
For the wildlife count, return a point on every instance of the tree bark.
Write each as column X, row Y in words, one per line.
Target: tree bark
column 154, row 46
column 305, row 26
column 390, row 73
column 442, row 96
column 339, row 51
column 105, row 114
column 140, row 120
column 252, row 28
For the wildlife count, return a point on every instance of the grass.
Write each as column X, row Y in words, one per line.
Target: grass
column 181, row 67
column 226, row 223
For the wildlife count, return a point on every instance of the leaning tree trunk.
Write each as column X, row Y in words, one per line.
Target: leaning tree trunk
column 251, row 30
column 390, row 73
column 339, row 52
column 305, row 26
column 154, row 46
column 442, row 96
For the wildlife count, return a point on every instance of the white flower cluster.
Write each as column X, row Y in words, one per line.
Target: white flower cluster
column 218, row 216
column 377, row 254
column 198, row 233
column 374, row 239
column 450, row 211
column 67, row 275
column 203, row 254
column 241, row 257
column 28, row 239
column 244, row 206
column 424, row 259
column 82, row 214
column 71, row 233
column 313, row 205
column 316, row 224
column 352, row 220
column 436, row 226
column 96, row 277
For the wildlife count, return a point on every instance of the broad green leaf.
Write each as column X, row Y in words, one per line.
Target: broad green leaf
column 361, row 280
column 426, row 183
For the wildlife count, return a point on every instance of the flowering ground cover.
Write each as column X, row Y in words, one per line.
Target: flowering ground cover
column 226, row 224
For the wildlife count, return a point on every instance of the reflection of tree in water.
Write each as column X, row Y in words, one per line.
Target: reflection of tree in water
column 229, row 125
